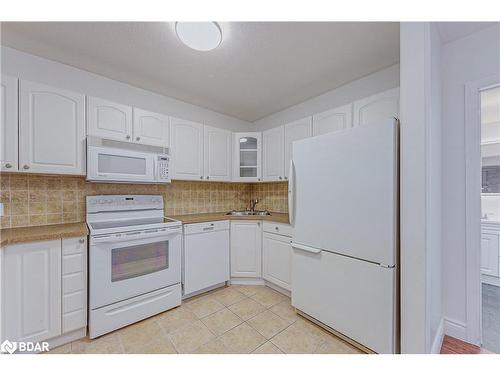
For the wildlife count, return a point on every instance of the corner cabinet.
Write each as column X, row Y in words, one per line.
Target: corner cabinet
column 9, row 124
column 43, row 289
column 51, row 130
column 186, row 140
column 246, row 249
column 272, row 154
column 377, row 107
column 247, row 157
column 217, row 154
column 332, row 120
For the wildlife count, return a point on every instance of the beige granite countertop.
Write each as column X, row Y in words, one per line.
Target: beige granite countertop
column 216, row 216
column 10, row 236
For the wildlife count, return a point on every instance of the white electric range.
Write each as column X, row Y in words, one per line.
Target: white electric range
column 134, row 260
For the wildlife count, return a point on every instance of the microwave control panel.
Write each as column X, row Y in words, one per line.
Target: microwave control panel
column 162, row 167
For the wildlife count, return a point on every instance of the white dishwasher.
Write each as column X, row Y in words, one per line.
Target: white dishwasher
column 206, row 255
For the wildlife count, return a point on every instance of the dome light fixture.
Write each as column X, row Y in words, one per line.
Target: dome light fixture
column 200, row 36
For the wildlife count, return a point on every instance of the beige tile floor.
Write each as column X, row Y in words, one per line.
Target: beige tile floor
column 234, row 319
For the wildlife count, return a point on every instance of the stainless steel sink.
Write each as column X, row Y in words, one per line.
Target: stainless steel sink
column 248, row 213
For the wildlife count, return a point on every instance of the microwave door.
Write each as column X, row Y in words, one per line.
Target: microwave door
column 119, row 165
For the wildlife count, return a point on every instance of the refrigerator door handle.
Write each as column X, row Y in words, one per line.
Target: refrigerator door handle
column 306, row 248
column 291, row 192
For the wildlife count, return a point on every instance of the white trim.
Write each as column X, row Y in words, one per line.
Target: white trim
column 438, row 338
column 246, row 281
column 455, row 329
column 490, row 280
column 473, row 205
column 67, row 338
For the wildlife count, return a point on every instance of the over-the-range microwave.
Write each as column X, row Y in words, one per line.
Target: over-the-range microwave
column 114, row 161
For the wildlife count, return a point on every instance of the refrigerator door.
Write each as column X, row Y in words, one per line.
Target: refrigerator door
column 354, row 297
column 343, row 192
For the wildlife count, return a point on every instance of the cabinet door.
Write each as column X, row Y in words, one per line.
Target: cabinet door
column 74, row 284
column 31, row 284
column 277, row 260
column 377, row 107
column 51, row 130
column 489, row 254
column 151, row 128
column 109, row 120
column 293, row 132
column 187, row 149
column 217, row 150
column 246, row 249
column 8, row 124
column 332, row 120
column 272, row 154
column 247, row 156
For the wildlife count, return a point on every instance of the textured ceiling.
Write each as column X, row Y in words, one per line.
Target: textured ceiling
column 260, row 67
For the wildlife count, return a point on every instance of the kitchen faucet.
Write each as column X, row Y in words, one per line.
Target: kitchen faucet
column 253, row 203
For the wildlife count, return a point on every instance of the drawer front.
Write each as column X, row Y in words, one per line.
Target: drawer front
column 73, row 263
column 208, row 226
column 278, row 228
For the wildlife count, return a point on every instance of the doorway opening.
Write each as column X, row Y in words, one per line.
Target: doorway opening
column 490, row 218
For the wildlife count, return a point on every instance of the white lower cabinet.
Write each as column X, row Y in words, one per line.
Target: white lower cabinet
column 246, row 249
column 43, row 289
column 277, row 259
column 490, row 253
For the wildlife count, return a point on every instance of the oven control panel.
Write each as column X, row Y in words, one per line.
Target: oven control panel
column 109, row 203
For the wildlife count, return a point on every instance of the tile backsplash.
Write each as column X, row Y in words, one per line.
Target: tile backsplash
column 31, row 200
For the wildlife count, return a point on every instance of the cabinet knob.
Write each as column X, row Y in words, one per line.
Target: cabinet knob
column 277, row 228
column 208, row 177
column 138, row 138
column 127, row 137
column 26, row 166
column 258, row 179
column 281, row 178
column 201, row 177
column 286, row 178
column 81, row 240
column 8, row 165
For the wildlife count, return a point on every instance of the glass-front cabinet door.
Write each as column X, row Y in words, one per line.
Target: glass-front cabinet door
column 247, row 150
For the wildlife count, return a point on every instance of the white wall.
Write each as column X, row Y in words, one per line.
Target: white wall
column 467, row 59
column 421, row 305
column 30, row 67
column 374, row 83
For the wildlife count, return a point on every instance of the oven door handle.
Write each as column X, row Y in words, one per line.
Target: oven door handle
column 136, row 235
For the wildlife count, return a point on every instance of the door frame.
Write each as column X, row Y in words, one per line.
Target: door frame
column 473, row 204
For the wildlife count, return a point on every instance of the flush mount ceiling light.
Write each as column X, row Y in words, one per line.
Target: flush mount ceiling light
column 201, row 36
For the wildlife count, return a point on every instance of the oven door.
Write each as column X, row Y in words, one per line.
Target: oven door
column 113, row 164
column 130, row 264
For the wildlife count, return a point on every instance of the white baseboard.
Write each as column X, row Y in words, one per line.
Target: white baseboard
column 455, row 329
column 67, row 338
column 246, row 281
column 278, row 288
column 438, row 338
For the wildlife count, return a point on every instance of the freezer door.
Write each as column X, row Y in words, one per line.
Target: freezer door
column 354, row 297
column 343, row 192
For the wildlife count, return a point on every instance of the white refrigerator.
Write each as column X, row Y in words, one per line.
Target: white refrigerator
column 343, row 205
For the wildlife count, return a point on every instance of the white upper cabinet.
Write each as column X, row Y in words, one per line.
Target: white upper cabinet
column 110, row 120
column 151, row 128
column 217, row 154
column 51, row 130
column 272, row 154
column 31, row 291
column 247, row 157
column 294, row 131
column 186, row 140
column 9, row 124
column 332, row 120
column 377, row 107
